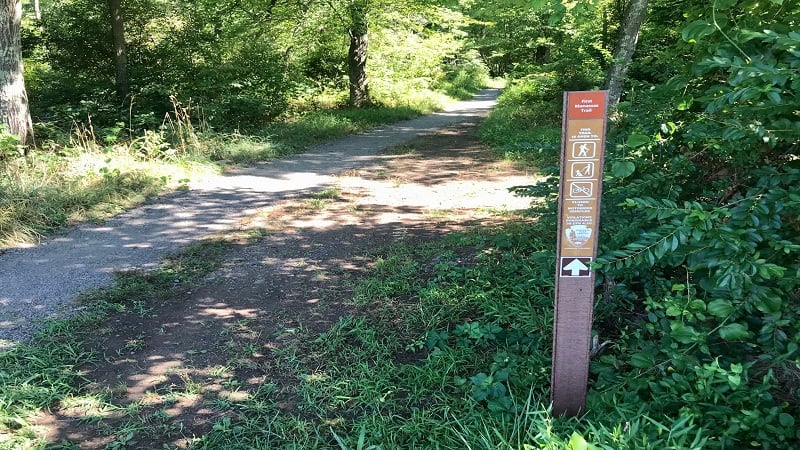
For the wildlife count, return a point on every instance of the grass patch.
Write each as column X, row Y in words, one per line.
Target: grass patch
column 404, row 149
column 526, row 124
column 50, row 371
column 375, row 377
column 327, row 194
column 92, row 174
column 40, row 195
column 446, row 345
column 137, row 289
column 408, row 367
column 324, row 125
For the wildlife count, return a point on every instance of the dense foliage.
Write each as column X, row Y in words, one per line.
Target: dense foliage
column 698, row 289
column 699, row 273
column 711, row 262
column 244, row 63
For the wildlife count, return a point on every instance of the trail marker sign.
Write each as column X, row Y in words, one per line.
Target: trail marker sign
column 582, row 152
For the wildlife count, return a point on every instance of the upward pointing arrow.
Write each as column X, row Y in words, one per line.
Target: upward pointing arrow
column 576, row 267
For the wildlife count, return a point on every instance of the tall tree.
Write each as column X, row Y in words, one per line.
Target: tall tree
column 120, row 53
column 14, row 112
column 628, row 36
column 357, row 54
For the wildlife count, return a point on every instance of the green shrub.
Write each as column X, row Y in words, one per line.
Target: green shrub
column 701, row 246
column 464, row 75
column 10, row 146
column 526, row 123
column 699, row 267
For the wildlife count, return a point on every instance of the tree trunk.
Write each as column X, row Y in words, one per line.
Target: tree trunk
column 120, row 54
column 37, row 10
column 14, row 113
column 629, row 35
column 357, row 54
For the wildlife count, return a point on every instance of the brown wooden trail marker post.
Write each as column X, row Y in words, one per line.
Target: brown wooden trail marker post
column 582, row 151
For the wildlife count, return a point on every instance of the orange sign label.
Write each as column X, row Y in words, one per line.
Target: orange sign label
column 586, row 105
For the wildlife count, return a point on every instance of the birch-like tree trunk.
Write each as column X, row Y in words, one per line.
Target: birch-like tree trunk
column 120, row 53
column 357, row 54
column 14, row 112
column 626, row 46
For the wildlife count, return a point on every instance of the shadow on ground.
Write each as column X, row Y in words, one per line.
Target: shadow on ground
column 174, row 367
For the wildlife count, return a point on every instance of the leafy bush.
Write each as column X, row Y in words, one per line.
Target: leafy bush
column 10, row 146
column 699, row 267
column 701, row 243
column 464, row 75
column 526, row 123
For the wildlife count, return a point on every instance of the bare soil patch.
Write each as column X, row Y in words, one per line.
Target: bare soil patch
column 179, row 361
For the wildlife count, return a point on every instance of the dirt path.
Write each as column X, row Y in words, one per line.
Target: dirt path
column 168, row 366
column 41, row 282
column 297, row 277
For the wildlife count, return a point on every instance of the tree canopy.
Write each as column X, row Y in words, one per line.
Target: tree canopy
column 699, row 251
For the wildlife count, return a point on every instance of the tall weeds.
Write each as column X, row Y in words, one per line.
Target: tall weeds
column 92, row 171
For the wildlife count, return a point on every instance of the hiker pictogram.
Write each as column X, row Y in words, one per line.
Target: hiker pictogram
column 584, row 150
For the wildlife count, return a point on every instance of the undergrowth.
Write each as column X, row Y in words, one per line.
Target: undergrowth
column 82, row 171
column 697, row 295
column 49, row 371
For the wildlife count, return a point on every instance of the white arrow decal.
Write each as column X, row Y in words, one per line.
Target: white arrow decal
column 576, row 267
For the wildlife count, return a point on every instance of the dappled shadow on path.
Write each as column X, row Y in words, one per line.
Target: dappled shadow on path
column 174, row 368
column 230, row 338
column 41, row 282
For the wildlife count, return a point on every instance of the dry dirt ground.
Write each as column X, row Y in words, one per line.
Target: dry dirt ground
column 296, row 276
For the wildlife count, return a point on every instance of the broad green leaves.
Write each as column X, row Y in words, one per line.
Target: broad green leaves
column 697, row 30
column 734, row 332
column 637, row 140
column 685, row 334
column 643, row 360
column 578, row 442
column 622, row 169
column 720, row 308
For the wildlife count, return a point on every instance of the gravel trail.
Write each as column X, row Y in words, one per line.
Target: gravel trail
column 41, row 282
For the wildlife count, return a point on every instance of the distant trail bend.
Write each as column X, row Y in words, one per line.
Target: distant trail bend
column 41, row 282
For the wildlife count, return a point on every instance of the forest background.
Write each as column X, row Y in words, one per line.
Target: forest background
column 698, row 276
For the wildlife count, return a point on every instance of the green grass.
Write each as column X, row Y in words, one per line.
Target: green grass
column 400, row 374
column 89, row 174
column 48, row 371
column 324, row 125
column 432, row 361
column 43, row 194
column 446, row 345
column 369, row 378
column 524, row 129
